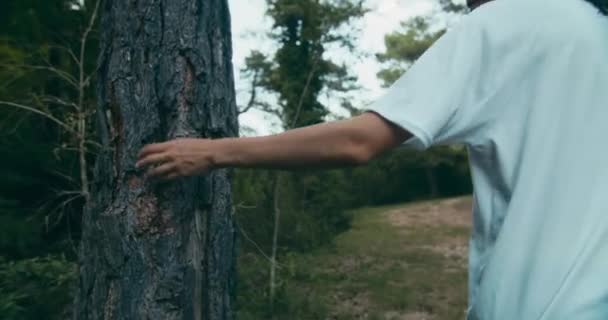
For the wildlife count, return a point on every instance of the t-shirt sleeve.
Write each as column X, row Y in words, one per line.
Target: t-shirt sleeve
column 438, row 100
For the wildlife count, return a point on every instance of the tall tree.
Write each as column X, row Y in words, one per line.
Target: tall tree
column 300, row 69
column 415, row 36
column 160, row 251
column 405, row 46
column 297, row 74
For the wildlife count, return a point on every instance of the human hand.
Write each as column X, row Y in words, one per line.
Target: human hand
column 177, row 158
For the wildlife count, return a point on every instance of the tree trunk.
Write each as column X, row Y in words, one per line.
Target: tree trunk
column 160, row 251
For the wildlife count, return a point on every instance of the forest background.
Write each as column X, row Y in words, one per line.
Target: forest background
column 304, row 73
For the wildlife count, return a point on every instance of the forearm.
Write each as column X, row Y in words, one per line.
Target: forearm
column 324, row 145
column 335, row 144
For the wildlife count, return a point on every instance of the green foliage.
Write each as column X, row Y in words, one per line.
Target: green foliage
column 312, row 221
column 38, row 44
column 402, row 176
column 374, row 269
column 299, row 71
column 39, row 221
column 39, row 212
column 314, row 205
column 313, row 208
column 36, row 288
column 405, row 46
column 33, row 220
column 291, row 302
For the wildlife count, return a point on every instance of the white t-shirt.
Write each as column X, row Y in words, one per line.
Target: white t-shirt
column 524, row 85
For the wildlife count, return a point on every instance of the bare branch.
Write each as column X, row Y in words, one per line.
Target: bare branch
column 275, row 236
column 91, row 21
column 70, row 238
column 61, row 208
column 244, row 206
column 269, row 109
column 84, row 80
column 62, row 74
column 77, row 148
column 252, row 94
column 57, row 100
column 277, row 182
column 94, row 143
column 73, row 56
column 39, row 112
column 82, row 121
column 65, row 176
column 67, row 193
column 83, row 44
column 279, row 265
column 304, row 91
column 69, row 51
column 87, row 80
column 14, row 77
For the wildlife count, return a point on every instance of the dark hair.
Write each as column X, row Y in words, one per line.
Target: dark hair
column 601, row 5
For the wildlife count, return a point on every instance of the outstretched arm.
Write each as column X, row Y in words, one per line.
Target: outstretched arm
column 348, row 142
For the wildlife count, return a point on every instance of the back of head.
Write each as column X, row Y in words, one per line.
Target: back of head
column 601, row 5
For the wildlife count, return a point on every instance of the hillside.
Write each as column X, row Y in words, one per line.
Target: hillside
column 402, row 262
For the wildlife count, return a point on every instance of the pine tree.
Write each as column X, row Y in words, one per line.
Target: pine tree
column 160, row 251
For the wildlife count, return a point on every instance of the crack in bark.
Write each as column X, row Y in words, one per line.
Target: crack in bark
column 117, row 133
column 112, row 297
column 182, row 127
column 161, row 7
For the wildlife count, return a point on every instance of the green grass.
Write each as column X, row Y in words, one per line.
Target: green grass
column 378, row 271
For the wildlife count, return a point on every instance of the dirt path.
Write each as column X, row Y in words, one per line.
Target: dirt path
column 444, row 214
column 450, row 213
column 403, row 263
column 399, row 262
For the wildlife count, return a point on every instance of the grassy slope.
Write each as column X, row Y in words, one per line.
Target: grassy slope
column 404, row 262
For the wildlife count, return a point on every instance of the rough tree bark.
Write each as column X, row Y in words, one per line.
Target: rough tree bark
column 160, row 251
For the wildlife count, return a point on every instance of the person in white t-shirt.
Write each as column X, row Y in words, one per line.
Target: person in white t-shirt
column 524, row 85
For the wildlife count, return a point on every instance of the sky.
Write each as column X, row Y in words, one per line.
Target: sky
column 249, row 25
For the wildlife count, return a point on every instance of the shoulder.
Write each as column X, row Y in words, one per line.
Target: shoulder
column 503, row 17
column 536, row 20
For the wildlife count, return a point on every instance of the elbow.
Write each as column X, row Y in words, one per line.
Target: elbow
column 360, row 154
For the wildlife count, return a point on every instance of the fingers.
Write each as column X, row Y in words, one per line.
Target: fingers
column 162, row 172
column 152, row 148
column 151, row 159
